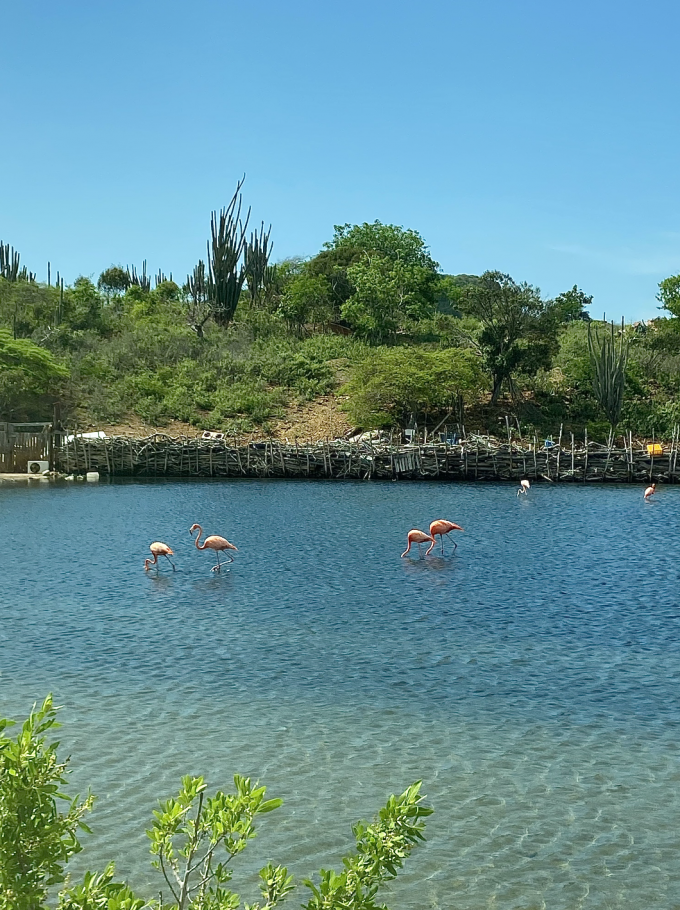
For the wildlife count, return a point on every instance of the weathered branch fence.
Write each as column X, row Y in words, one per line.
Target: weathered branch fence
column 473, row 458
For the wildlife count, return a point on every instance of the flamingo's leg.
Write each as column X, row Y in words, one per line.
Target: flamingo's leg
column 441, row 538
column 170, row 561
column 218, row 567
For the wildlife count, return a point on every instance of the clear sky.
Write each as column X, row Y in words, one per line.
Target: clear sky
column 538, row 138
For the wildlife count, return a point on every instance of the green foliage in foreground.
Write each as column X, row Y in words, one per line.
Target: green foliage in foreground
column 194, row 837
column 38, row 822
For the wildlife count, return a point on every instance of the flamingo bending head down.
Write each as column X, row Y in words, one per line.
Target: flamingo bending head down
column 650, row 491
column 440, row 527
column 159, row 549
column 419, row 537
column 218, row 544
column 524, row 487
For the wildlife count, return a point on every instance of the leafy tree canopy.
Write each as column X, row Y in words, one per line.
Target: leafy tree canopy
column 519, row 330
column 306, row 299
column 114, row 280
column 451, row 290
column 393, row 384
column 30, row 377
column 669, row 294
column 387, row 240
column 388, row 295
column 571, row 305
column 354, row 244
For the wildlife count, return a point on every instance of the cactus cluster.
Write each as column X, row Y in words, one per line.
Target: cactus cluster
column 142, row 281
column 9, row 265
column 609, row 362
column 226, row 272
column 256, row 257
column 161, row 278
column 197, row 285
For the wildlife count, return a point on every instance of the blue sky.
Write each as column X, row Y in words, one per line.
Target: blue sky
column 537, row 138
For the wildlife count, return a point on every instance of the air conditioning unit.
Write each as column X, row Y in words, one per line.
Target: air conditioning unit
column 38, row 467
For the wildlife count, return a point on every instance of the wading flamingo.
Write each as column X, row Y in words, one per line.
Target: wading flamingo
column 650, row 491
column 212, row 543
column 416, row 536
column 159, row 549
column 524, row 487
column 440, row 527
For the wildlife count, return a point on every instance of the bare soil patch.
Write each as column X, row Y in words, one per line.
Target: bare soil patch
column 305, row 421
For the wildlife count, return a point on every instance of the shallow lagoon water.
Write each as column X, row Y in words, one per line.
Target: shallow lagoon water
column 531, row 679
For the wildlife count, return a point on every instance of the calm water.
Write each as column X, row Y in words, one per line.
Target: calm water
column 531, row 680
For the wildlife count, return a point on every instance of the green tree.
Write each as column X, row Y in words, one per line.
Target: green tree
column 38, row 822
column 331, row 265
column 30, row 378
column 393, row 384
column 669, row 294
column 113, row 281
column 518, row 329
column 306, row 299
column 571, row 305
column 389, row 295
column 387, row 240
column 403, row 251
column 83, row 306
column 28, row 308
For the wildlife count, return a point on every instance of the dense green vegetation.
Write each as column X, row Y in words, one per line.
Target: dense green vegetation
column 371, row 317
column 194, row 837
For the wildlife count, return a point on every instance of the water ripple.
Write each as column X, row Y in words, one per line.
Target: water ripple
column 531, row 679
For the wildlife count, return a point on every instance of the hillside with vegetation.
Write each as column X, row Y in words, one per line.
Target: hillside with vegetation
column 370, row 327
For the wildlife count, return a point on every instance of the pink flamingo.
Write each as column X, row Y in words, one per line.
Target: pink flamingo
column 416, row 536
column 524, row 487
column 212, row 543
column 159, row 549
column 650, row 491
column 441, row 527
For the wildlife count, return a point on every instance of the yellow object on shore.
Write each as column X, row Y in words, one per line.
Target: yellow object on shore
column 655, row 449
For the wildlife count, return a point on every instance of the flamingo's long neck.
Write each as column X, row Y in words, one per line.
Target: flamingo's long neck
column 198, row 537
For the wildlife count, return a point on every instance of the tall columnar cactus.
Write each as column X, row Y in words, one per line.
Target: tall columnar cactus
column 609, row 362
column 256, row 257
column 161, row 278
column 142, row 281
column 196, row 289
column 226, row 272
column 9, row 265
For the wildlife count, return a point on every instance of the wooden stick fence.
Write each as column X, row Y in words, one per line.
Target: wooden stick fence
column 474, row 458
